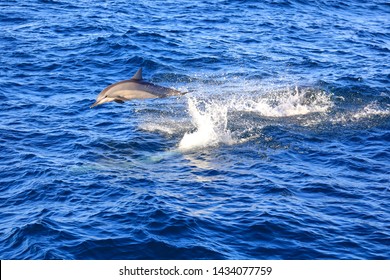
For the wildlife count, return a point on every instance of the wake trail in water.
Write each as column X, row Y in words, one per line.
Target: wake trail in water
column 233, row 118
column 235, row 112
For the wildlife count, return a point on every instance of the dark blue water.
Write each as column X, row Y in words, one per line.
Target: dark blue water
column 281, row 150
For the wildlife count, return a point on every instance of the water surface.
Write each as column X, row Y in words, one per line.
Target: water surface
column 280, row 150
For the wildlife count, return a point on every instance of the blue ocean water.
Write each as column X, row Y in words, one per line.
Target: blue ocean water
column 281, row 150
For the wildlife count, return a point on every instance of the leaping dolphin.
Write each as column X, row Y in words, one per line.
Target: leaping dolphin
column 135, row 88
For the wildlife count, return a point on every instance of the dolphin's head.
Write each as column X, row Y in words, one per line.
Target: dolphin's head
column 103, row 97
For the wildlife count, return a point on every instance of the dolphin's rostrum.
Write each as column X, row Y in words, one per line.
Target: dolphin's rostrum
column 135, row 88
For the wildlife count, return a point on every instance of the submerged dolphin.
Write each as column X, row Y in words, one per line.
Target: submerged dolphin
column 135, row 88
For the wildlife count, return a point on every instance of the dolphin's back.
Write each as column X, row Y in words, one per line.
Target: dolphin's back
column 133, row 89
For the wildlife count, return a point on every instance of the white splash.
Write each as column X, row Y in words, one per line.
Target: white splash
column 210, row 121
column 370, row 110
column 365, row 113
column 211, row 114
column 236, row 111
column 288, row 103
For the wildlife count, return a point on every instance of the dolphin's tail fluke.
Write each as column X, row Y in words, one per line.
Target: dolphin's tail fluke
column 188, row 91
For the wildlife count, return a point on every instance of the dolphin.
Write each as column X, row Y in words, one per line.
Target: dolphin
column 135, row 88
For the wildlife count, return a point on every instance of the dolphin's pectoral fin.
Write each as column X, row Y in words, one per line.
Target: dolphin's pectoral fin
column 138, row 75
column 119, row 101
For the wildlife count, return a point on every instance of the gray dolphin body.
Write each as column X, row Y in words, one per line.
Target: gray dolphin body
column 135, row 88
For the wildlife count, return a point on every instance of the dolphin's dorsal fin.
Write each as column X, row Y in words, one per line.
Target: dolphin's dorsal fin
column 138, row 75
